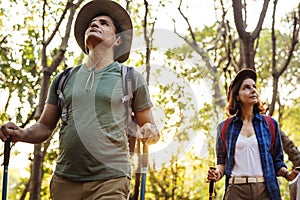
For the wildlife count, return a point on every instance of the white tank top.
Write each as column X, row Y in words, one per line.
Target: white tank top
column 246, row 158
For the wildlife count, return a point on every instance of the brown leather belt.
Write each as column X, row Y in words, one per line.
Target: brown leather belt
column 246, row 179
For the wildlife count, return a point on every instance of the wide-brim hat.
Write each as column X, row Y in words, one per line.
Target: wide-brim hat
column 242, row 75
column 116, row 12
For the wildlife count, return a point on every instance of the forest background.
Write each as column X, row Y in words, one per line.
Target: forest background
column 188, row 52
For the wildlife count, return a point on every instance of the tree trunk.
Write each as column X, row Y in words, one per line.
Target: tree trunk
column 36, row 173
column 37, row 165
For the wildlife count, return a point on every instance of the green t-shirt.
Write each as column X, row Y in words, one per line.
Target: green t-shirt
column 93, row 144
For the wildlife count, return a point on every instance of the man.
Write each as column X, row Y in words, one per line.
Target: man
column 93, row 161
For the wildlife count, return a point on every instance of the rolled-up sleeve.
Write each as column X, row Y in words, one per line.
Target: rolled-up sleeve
column 220, row 146
column 278, row 150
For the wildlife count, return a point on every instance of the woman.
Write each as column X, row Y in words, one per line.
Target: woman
column 244, row 154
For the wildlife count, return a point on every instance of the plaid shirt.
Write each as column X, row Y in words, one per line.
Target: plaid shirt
column 271, row 163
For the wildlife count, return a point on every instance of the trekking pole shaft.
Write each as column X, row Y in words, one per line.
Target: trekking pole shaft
column 144, row 171
column 6, row 152
column 5, row 171
column 4, row 184
column 211, row 189
column 143, row 186
column 211, row 185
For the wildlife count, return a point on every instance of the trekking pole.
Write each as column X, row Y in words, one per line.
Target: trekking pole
column 211, row 187
column 211, row 190
column 5, row 171
column 136, row 192
column 144, row 170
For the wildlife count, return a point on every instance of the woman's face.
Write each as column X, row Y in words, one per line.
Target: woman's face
column 248, row 94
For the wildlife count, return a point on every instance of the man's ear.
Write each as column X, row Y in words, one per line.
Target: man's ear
column 118, row 41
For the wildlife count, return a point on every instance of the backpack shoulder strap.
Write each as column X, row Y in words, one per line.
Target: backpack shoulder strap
column 128, row 88
column 224, row 130
column 127, row 82
column 269, row 122
column 62, row 81
column 271, row 126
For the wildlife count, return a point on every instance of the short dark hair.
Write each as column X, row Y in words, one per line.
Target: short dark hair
column 118, row 27
column 233, row 107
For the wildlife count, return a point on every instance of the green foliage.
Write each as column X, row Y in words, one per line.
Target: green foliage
column 183, row 175
column 290, row 121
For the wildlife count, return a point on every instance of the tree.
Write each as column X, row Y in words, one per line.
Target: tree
column 48, row 70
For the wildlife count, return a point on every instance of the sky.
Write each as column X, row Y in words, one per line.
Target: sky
column 201, row 12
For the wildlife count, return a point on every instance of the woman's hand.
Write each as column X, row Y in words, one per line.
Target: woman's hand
column 214, row 174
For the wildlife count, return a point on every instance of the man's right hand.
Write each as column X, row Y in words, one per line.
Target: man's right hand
column 10, row 130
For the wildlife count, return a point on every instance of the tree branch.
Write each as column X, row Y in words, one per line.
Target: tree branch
column 238, row 18
column 294, row 42
column 262, row 16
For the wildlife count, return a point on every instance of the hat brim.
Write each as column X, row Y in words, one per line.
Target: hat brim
column 243, row 74
column 117, row 13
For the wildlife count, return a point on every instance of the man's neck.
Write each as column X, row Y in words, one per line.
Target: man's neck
column 99, row 60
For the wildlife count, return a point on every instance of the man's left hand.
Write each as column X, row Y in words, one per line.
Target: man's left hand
column 148, row 134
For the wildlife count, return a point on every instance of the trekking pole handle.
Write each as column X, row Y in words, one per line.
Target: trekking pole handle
column 145, row 155
column 6, row 151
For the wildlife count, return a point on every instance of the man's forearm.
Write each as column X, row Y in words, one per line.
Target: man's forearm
column 37, row 133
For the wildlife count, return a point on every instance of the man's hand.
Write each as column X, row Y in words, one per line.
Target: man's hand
column 148, row 134
column 290, row 176
column 10, row 130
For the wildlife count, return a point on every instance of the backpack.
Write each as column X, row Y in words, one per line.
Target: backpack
column 128, row 86
column 267, row 119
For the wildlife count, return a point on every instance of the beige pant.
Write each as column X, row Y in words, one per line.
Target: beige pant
column 249, row 191
column 112, row 189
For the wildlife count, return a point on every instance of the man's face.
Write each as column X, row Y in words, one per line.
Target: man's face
column 100, row 30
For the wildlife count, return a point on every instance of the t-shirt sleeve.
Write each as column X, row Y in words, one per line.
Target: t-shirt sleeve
column 141, row 96
column 52, row 96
